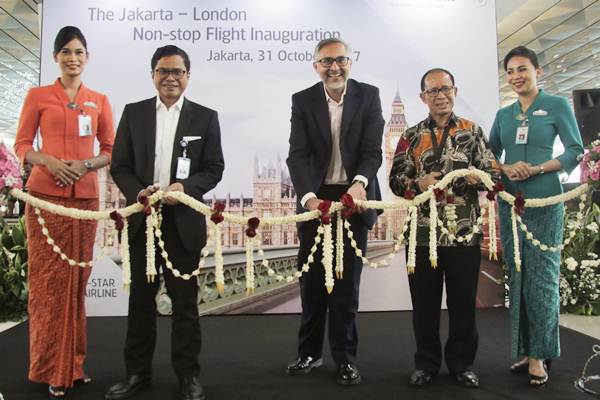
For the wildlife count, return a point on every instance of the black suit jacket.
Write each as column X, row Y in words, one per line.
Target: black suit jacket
column 132, row 165
column 360, row 140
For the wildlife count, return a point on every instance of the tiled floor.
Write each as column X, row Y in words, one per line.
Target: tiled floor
column 580, row 323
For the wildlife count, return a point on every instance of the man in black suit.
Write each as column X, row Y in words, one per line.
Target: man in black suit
column 170, row 143
column 335, row 148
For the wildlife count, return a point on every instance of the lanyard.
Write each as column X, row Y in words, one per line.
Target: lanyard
column 437, row 149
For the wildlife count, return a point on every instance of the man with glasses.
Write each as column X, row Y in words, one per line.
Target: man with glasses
column 169, row 143
column 441, row 143
column 335, row 148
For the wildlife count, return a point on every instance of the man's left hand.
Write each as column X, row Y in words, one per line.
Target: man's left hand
column 174, row 187
column 358, row 192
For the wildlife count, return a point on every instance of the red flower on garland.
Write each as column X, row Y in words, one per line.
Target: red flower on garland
column 450, row 199
column 145, row 201
column 217, row 218
column 498, row 187
column 349, row 205
column 409, row 194
column 118, row 218
column 253, row 223
column 219, row 206
column 324, row 207
column 519, row 203
column 217, row 209
column 440, row 194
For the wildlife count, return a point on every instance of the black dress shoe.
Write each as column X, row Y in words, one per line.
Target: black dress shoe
column 348, row 375
column 467, row 379
column 191, row 389
column 129, row 387
column 420, row 378
column 303, row 365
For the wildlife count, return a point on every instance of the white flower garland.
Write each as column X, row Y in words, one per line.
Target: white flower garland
column 125, row 257
column 153, row 225
column 339, row 246
column 163, row 252
column 150, row 249
column 566, row 241
column 311, row 256
column 73, row 212
column 218, row 258
column 328, row 256
column 250, row 284
column 433, row 220
column 517, row 253
column 55, row 248
column 271, row 271
column 450, row 216
column 307, row 216
column 467, row 237
column 412, row 241
column 493, row 247
column 389, row 257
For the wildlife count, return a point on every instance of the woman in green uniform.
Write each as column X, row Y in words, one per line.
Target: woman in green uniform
column 525, row 132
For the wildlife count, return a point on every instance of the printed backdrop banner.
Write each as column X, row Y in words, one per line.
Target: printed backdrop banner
column 249, row 56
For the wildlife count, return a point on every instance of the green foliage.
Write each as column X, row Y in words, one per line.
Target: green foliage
column 13, row 271
column 580, row 266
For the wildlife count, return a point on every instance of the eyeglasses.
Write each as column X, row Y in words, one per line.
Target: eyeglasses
column 435, row 91
column 328, row 61
column 175, row 72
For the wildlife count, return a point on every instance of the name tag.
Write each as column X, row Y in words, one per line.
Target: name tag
column 85, row 125
column 183, row 168
column 540, row 113
column 522, row 133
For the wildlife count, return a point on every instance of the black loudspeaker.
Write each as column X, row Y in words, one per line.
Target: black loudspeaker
column 587, row 111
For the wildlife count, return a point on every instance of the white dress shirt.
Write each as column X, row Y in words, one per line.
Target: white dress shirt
column 166, row 126
column 336, row 174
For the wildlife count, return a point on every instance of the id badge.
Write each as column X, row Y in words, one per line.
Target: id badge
column 522, row 133
column 85, row 125
column 183, row 168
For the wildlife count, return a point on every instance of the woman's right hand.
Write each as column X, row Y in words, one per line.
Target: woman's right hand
column 518, row 171
column 64, row 174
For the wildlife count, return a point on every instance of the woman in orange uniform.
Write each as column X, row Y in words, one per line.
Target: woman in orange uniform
column 69, row 117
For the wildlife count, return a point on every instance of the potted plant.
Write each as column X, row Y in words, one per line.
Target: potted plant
column 13, row 271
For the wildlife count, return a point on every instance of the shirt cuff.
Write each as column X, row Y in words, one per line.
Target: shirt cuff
column 306, row 198
column 362, row 179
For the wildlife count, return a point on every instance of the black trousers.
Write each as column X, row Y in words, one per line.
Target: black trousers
column 342, row 303
column 459, row 266
column 141, row 321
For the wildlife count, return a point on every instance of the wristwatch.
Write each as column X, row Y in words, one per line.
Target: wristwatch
column 88, row 164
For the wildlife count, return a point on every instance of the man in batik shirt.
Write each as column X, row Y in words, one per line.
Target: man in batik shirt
column 441, row 143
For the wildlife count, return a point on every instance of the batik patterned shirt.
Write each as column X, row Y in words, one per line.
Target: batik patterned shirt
column 464, row 147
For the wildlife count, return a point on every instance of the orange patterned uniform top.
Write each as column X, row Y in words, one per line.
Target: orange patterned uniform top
column 46, row 108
